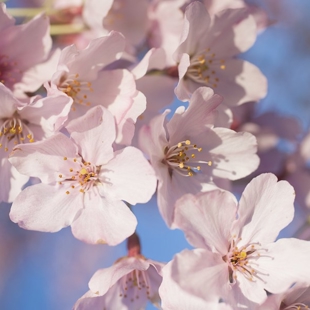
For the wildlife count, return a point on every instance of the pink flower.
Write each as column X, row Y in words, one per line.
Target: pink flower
column 207, row 53
column 129, row 284
column 82, row 75
column 236, row 253
column 83, row 182
column 187, row 152
column 25, row 122
column 21, row 47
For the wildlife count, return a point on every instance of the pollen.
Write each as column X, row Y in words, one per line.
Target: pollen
column 67, row 192
column 83, row 171
column 183, row 158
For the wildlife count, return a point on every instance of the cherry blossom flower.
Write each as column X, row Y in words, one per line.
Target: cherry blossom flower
column 25, row 122
column 130, row 283
column 236, row 253
column 83, row 182
column 21, row 47
column 206, row 55
column 187, row 152
column 80, row 76
column 295, row 298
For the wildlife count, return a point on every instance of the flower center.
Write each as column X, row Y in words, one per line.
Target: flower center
column 245, row 260
column 134, row 284
column 182, row 158
column 76, row 89
column 203, row 68
column 14, row 131
column 9, row 73
column 82, row 176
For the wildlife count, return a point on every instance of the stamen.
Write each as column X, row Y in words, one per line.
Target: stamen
column 181, row 158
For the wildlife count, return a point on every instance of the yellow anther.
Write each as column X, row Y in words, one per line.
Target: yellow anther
column 13, row 130
column 209, row 163
column 193, row 155
column 199, row 149
column 181, row 165
column 29, row 136
column 198, row 168
column 31, row 140
column 190, row 174
column 242, row 254
column 6, row 149
column 223, row 67
column 74, row 160
column 187, row 142
column 179, row 144
column 82, row 190
column 71, row 169
column 67, row 192
column 83, row 171
column 65, row 158
column 73, row 186
column 60, row 175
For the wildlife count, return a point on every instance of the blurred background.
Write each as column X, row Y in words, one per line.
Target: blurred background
column 51, row 271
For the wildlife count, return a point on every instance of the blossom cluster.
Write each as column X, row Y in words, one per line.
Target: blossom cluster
column 86, row 132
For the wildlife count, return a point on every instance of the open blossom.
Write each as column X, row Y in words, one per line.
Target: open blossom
column 84, row 182
column 206, row 55
column 21, row 47
column 236, row 253
column 25, row 122
column 187, row 152
column 129, row 284
column 295, row 298
column 82, row 75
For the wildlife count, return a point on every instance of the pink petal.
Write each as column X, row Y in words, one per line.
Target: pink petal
column 45, row 208
column 199, row 115
column 286, row 262
column 206, row 219
column 265, row 208
column 201, row 273
column 103, row 221
column 103, row 279
column 175, row 298
column 195, row 29
column 130, row 177
column 15, row 42
column 241, row 82
column 46, row 159
column 5, row 19
column 98, row 54
column 8, row 104
column 94, row 133
column 235, row 156
column 233, row 32
column 11, row 181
